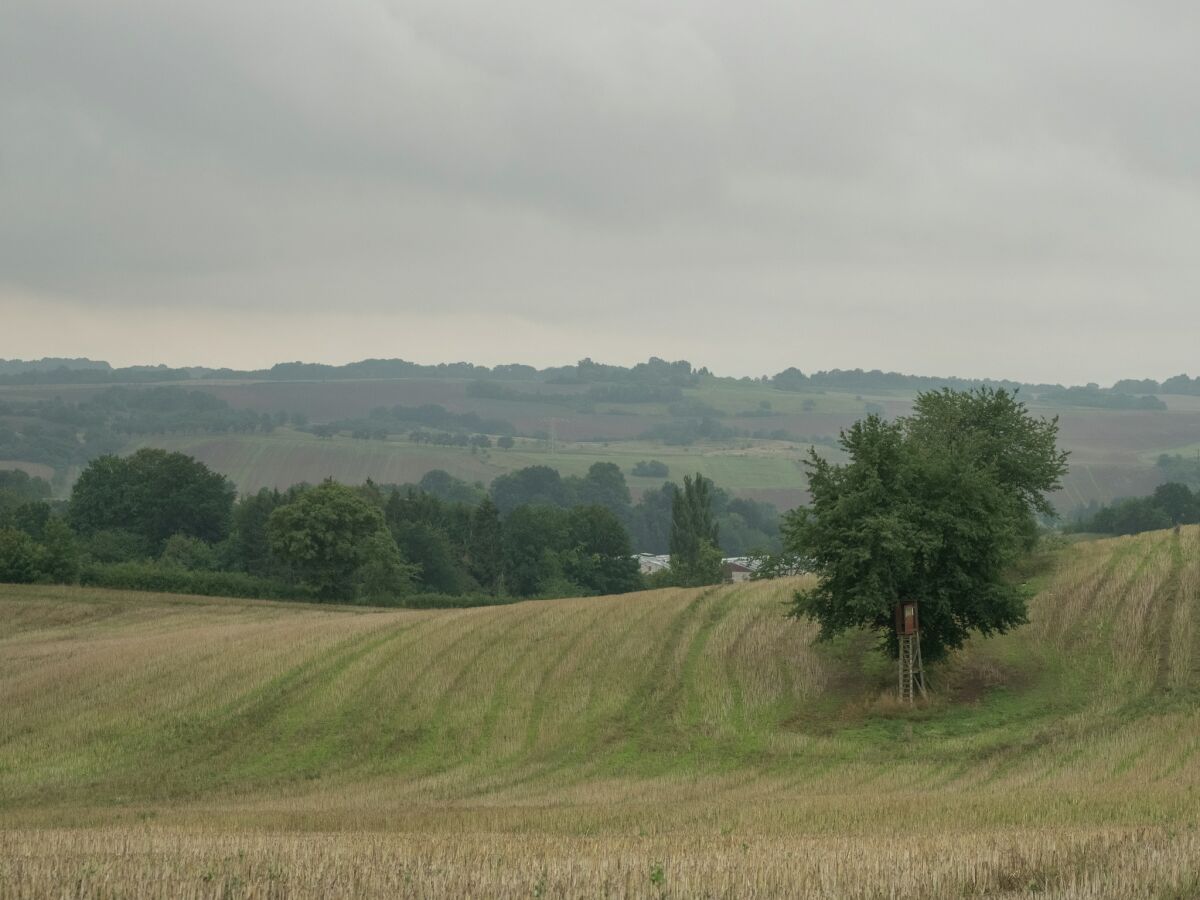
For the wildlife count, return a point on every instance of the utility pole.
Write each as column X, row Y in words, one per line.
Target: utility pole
column 552, row 422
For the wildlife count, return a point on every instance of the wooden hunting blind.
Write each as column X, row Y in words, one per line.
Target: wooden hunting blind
column 908, row 639
column 906, row 617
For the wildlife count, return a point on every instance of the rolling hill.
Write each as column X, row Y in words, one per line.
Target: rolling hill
column 1113, row 450
column 679, row 742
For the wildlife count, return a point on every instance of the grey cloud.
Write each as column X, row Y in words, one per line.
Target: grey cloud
column 820, row 164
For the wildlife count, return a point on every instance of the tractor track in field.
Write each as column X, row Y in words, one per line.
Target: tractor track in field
column 1165, row 602
column 496, row 706
column 260, row 715
column 541, row 693
column 720, row 608
column 1097, row 582
column 592, row 751
column 738, row 714
column 392, row 722
column 303, row 680
column 645, row 701
column 583, row 753
column 432, row 726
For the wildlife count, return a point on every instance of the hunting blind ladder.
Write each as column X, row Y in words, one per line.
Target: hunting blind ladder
column 908, row 636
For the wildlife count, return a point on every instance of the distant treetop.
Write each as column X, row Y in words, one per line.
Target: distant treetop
column 655, row 371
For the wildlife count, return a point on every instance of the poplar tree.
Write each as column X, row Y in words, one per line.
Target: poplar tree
column 695, row 554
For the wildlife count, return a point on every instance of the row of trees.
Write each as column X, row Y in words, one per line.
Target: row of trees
column 34, row 544
column 1093, row 395
column 133, row 521
column 84, row 371
column 1170, row 504
column 399, row 418
column 1177, row 384
column 655, row 373
column 745, row 525
column 1180, row 468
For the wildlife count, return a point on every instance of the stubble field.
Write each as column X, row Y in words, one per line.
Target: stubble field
column 675, row 743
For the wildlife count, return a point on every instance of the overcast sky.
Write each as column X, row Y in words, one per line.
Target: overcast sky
column 974, row 188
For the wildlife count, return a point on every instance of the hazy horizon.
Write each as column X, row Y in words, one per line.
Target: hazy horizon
column 696, row 363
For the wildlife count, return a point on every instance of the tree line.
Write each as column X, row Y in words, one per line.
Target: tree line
column 744, row 525
column 661, row 376
column 1096, row 397
column 1171, row 504
column 163, row 521
column 1180, row 468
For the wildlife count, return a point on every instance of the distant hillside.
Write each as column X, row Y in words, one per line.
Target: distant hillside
column 392, row 420
column 51, row 364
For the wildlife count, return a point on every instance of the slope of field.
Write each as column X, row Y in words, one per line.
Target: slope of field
column 681, row 743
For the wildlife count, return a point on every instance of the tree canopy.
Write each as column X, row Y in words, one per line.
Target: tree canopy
column 934, row 507
column 1170, row 504
column 154, row 493
column 337, row 542
column 598, row 557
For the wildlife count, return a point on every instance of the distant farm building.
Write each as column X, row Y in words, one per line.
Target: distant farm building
column 739, row 568
column 650, row 563
column 736, row 568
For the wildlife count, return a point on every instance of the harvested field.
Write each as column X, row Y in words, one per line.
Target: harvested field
column 676, row 743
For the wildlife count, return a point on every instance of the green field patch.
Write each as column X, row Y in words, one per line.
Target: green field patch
column 190, row 701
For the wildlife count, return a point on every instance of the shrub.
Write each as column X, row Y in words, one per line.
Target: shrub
column 142, row 576
column 18, row 557
column 444, row 601
column 184, row 552
column 651, row 469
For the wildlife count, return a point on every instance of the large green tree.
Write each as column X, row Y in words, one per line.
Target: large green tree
column 439, row 569
column 934, row 507
column 249, row 548
column 154, row 494
column 1178, row 502
column 534, row 539
column 485, row 546
column 604, row 485
column 651, row 522
column 334, row 541
column 383, row 575
column 433, row 535
column 531, row 486
column 598, row 557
